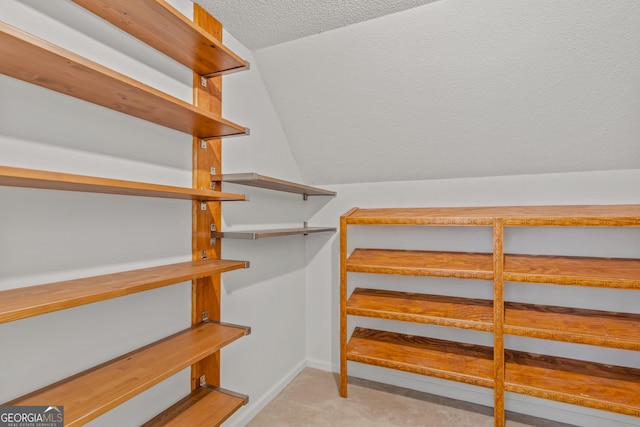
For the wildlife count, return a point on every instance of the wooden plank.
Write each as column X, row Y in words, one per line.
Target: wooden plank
column 421, row 263
column 202, row 407
column 253, row 179
column 34, row 300
column 498, row 323
column 622, row 273
column 578, row 382
column 343, row 303
column 91, row 393
column 585, row 215
column 577, row 325
column 159, row 25
column 39, row 62
column 30, row 178
column 456, row 312
column 467, row 363
column 207, row 155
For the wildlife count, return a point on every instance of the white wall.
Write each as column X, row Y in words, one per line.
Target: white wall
column 462, row 88
column 605, row 187
column 48, row 236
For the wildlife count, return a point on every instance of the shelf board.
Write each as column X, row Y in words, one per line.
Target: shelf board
column 260, row 234
column 578, row 382
column 39, row 62
column 422, row 263
column 203, row 406
column 586, row 215
column 30, row 178
column 91, row 393
column 467, row 313
column 576, row 325
column 158, row 24
column 467, row 363
column 623, row 273
column 255, row 180
column 34, row 300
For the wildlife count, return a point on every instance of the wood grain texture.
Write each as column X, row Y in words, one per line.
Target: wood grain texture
column 622, row 273
column 498, row 323
column 39, row 62
column 91, row 393
column 583, row 326
column 540, row 216
column 205, row 292
column 578, row 382
column 584, row 383
column 343, row 304
column 466, row 313
column 421, row 263
column 159, row 25
column 34, row 300
column 202, row 407
column 30, row 178
column 467, row 363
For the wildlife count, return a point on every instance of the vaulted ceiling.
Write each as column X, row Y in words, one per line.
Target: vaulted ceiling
column 372, row 90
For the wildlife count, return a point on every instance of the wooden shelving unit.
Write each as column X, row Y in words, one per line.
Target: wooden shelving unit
column 198, row 46
column 41, row 63
column 467, row 363
column 30, row 301
column 30, row 178
column 422, row 308
column 203, row 406
column 89, row 394
column 159, row 25
column 579, row 382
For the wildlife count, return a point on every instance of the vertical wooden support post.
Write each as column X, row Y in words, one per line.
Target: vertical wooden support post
column 498, row 322
column 205, row 294
column 343, row 302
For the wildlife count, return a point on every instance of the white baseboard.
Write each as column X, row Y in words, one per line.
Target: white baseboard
column 246, row 414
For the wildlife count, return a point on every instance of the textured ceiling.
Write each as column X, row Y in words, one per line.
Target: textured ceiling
column 262, row 23
column 460, row 88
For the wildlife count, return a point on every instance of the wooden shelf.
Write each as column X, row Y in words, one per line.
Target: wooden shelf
column 585, row 383
column 538, row 216
column 578, row 382
column 41, row 63
column 422, row 263
column 30, row 178
column 621, row 273
column 159, row 25
column 476, row 314
column 255, row 180
column 593, row 327
column 34, row 300
column 467, row 363
column 278, row 232
column 89, row 394
column 201, row 407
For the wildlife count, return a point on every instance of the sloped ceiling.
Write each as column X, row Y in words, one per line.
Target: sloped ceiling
column 459, row 88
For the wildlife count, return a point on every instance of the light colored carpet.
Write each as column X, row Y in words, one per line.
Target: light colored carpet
column 312, row 400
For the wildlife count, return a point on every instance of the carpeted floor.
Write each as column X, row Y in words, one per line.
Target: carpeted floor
column 312, row 399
